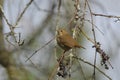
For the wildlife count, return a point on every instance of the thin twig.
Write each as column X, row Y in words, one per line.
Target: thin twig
column 104, row 15
column 19, row 18
column 83, row 21
column 95, row 26
column 57, row 65
column 93, row 36
column 12, row 27
column 39, row 49
column 5, row 17
column 82, row 70
column 93, row 66
column 89, row 39
column 33, row 64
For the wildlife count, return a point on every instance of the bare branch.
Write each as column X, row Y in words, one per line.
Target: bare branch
column 92, row 66
column 19, row 18
column 40, row 49
column 104, row 15
column 94, row 35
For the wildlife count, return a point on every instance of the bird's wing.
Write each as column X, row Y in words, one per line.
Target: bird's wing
column 67, row 40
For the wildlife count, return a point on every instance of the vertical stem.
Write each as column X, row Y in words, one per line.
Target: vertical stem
column 93, row 36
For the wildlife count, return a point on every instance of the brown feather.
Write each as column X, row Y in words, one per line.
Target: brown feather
column 65, row 41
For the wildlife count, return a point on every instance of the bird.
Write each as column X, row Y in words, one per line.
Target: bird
column 65, row 40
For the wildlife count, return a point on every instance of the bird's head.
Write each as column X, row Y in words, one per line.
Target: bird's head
column 61, row 32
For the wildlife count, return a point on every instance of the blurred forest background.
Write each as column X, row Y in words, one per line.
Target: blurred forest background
column 28, row 27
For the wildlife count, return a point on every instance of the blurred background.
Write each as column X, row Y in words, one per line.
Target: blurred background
column 29, row 26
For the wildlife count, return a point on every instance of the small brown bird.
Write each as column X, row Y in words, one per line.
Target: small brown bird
column 65, row 41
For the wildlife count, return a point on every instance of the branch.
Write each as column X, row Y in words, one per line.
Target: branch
column 19, row 18
column 93, row 66
column 104, row 15
column 39, row 49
